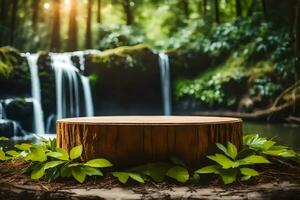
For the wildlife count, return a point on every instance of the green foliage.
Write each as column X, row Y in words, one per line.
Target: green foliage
column 113, row 36
column 268, row 147
column 176, row 169
column 231, row 164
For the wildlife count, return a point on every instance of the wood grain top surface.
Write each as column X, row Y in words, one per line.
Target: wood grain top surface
column 151, row 120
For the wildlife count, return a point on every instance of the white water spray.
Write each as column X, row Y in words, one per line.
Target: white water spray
column 36, row 94
column 165, row 82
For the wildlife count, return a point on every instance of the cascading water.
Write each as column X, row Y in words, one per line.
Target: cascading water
column 36, row 94
column 165, row 82
column 89, row 107
column 63, row 67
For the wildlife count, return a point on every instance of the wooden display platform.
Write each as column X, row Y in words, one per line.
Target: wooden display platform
column 131, row 140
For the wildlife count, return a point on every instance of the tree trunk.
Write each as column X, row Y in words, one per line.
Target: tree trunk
column 132, row 140
column 264, row 9
column 185, row 7
column 55, row 36
column 13, row 21
column 297, row 40
column 217, row 11
column 128, row 12
column 73, row 30
column 3, row 12
column 88, row 33
column 204, row 8
column 238, row 8
column 99, row 17
column 35, row 15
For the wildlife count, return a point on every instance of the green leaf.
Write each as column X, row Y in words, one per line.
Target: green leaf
column 2, row 138
column 23, row 147
column 224, row 161
column 98, row 163
column 76, row 152
column 228, row 175
column 253, row 159
column 222, row 148
column 37, row 154
column 52, row 164
column 38, row 173
column 78, row 173
column 74, row 164
column 232, row 150
column 268, row 144
column 65, row 154
column 122, row 176
column 66, row 171
column 2, row 155
column 177, row 161
column 179, row 173
column 54, row 154
column 245, row 178
column 137, row 177
column 12, row 153
column 249, row 172
column 209, row 169
column 285, row 153
column 91, row 171
column 157, row 171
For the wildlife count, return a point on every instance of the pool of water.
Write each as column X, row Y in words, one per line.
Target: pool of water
column 287, row 134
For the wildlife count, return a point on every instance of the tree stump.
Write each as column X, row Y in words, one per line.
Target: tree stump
column 132, row 140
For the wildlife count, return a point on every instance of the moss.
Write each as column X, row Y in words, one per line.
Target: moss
column 127, row 56
column 8, row 58
column 224, row 84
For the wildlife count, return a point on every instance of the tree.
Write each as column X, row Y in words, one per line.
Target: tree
column 3, row 12
column 238, row 8
column 297, row 39
column 35, row 15
column 204, row 8
column 264, row 8
column 185, row 7
column 217, row 11
column 73, row 30
column 88, row 33
column 55, row 36
column 128, row 11
column 13, row 21
column 99, row 11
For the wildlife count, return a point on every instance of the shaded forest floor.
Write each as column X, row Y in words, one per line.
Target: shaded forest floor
column 275, row 182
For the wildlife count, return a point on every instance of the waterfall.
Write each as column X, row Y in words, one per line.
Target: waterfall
column 50, row 121
column 165, row 82
column 89, row 108
column 2, row 111
column 36, row 94
column 65, row 69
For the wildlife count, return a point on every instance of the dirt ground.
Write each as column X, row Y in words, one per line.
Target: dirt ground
column 279, row 182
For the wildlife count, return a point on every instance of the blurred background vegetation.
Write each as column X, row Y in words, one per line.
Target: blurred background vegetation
column 244, row 51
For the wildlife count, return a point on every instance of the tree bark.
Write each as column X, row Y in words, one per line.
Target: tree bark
column 88, row 33
column 13, row 21
column 133, row 140
column 238, row 8
column 128, row 12
column 297, row 40
column 204, row 9
column 73, row 30
column 185, row 7
column 264, row 9
column 35, row 15
column 55, row 36
column 99, row 17
column 217, row 11
column 3, row 12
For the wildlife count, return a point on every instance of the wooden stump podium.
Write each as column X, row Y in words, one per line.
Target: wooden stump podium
column 132, row 140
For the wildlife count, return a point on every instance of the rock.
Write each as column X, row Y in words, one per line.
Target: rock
column 21, row 111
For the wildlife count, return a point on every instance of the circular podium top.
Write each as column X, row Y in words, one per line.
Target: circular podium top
column 140, row 120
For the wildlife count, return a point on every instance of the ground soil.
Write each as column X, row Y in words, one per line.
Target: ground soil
column 281, row 181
